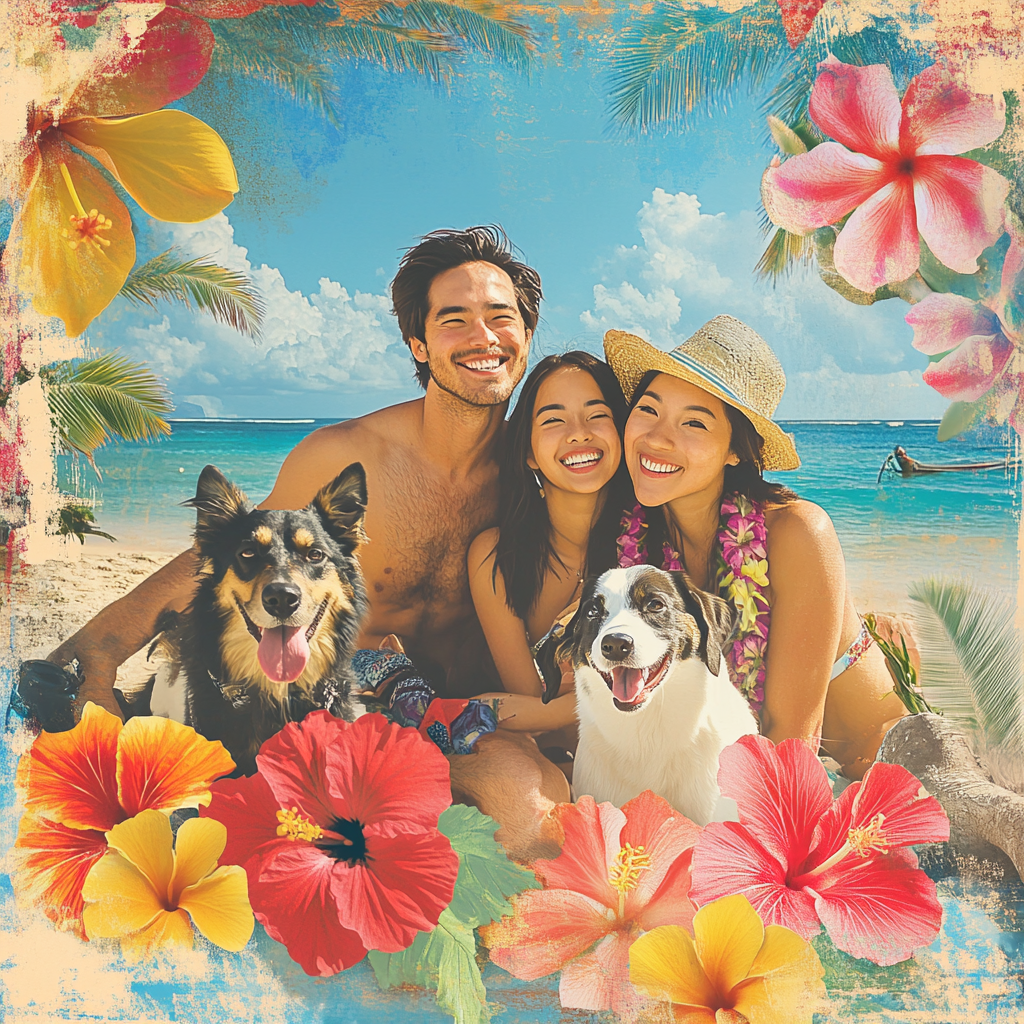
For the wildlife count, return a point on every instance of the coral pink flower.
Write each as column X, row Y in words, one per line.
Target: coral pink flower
column 895, row 167
column 337, row 833
column 804, row 861
column 797, row 18
column 621, row 872
column 976, row 337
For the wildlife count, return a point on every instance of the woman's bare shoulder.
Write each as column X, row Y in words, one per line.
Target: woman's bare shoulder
column 481, row 549
column 801, row 531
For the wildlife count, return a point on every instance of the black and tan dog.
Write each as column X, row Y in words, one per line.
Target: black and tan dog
column 271, row 631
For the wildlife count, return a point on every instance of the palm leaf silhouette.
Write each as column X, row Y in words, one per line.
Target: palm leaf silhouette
column 94, row 400
column 227, row 295
column 971, row 659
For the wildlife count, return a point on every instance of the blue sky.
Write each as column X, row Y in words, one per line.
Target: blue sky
column 654, row 234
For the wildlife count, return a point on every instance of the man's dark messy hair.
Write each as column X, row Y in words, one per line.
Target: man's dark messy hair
column 442, row 250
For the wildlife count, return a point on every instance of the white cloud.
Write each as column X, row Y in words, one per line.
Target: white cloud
column 329, row 342
column 842, row 361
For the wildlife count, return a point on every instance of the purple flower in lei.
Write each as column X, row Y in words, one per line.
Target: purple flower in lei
column 740, row 577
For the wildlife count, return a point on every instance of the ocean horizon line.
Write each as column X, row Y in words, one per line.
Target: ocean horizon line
column 343, row 419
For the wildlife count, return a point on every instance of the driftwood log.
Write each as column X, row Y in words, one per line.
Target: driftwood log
column 986, row 821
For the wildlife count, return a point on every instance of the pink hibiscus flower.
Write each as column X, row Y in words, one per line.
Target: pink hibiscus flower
column 977, row 337
column 621, row 872
column 895, row 166
column 804, row 860
column 338, row 836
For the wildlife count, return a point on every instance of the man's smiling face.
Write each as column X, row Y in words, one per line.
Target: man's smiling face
column 476, row 342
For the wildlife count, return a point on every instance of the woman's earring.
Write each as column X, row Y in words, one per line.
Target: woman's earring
column 540, row 486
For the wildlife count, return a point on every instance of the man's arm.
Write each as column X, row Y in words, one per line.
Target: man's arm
column 124, row 627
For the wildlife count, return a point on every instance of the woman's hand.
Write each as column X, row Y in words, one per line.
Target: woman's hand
column 520, row 713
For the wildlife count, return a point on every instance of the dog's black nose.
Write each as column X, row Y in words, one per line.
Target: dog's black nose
column 281, row 599
column 617, row 646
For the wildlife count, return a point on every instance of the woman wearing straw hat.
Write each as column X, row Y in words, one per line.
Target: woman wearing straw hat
column 698, row 437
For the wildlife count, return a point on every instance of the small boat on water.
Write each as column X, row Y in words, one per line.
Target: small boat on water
column 898, row 461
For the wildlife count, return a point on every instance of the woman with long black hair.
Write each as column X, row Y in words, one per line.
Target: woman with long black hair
column 562, row 488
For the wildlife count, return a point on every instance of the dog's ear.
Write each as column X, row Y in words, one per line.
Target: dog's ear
column 554, row 649
column 715, row 619
column 217, row 503
column 341, row 505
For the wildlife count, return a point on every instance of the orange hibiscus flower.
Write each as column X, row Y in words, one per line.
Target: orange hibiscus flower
column 78, row 785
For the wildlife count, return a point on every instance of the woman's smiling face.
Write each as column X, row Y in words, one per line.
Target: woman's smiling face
column 677, row 442
column 573, row 441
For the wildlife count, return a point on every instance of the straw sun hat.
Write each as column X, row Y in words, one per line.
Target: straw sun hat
column 727, row 359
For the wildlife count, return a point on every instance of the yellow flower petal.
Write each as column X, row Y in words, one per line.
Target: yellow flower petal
column 75, row 284
column 727, row 934
column 146, row 840
column 119, row 899
column 786, row 984
column 197, row 848
column 172, row 164
column 220, row 909
column 663, row 964
column 168, row 928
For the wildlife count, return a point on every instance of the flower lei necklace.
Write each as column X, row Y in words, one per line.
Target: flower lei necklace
column 741, row 577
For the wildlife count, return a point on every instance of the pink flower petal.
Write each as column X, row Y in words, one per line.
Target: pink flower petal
column 911, row 814
column 406, row 882
column 550, row 928
column 941, row 116
column 878, row 244
column 942, row 320
column 292, row 900
column 820, row 187
column 970, row 370
column 599, row 980
column 780, row 791
column 959, row 208
column 666, row 836
column 671, row 903
column 883, row 910
column 728, row 860
column 857, row 106
column 591, row 845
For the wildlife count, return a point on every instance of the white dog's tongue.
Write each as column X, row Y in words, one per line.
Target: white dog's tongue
column 283, row 653
column 627, row 683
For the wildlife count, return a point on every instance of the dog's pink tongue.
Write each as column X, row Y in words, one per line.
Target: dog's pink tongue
column 627, row 684
column 283, row 653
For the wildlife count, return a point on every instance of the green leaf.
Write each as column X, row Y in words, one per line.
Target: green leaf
column 785, row 138
column 227, row 295
column 486, row 875
column 445, row 959
column 940, row 278
column 960, row 416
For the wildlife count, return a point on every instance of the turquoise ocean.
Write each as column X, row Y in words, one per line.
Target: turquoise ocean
column 892, row 532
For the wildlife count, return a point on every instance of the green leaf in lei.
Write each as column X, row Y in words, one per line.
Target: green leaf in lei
column 445, row 958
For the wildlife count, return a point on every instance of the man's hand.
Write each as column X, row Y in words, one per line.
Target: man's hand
column 98, row 672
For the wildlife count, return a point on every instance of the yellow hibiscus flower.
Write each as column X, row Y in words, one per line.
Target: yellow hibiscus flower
column 149, row 890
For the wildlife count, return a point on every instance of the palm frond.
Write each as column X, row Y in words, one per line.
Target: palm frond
column 784, row 251
column 264, row 47
column 680, row 59
column 227, row 295
column 92, row 400
column 483, row 27
column 971, row 658
column 397, row 47
column 884, row 42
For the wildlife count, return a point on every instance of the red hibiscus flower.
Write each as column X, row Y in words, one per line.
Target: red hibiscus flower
column 894, row 166
column 620, row 873
column 337, row 833
column 804, row 861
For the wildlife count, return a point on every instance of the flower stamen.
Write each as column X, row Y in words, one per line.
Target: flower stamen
column 869, row 838
column 630, row 863
column 296, row 826
column 86, row 225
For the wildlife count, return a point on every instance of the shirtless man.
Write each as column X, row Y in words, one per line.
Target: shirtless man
column 467, row 309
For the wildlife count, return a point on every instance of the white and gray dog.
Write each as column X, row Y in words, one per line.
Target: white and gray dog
column 653, row 697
